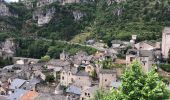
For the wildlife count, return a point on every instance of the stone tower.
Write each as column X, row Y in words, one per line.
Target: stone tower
column 165, row 42
column 64, row 55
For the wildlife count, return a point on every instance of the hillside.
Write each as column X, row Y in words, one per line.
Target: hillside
column 103, row 19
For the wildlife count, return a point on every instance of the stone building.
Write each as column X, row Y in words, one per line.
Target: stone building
column 82, row 79
column 148, row 45
column 67, row 76
column 64, row 56
column 89, row 68
column 146, row 58
column 165, row 42
column 106, row 77
column 88, row 93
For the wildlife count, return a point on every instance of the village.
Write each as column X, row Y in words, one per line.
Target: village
column 78, row 77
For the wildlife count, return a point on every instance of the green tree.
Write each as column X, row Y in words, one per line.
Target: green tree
column 45, row 58
column 50, row 78
column 93, row 74
column 107, row 64
column 137, row 85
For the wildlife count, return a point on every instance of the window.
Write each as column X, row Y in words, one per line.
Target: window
column 89, row 94
column 105, row 80
column 131, row 59
column 63, row 78
column 83, row 99
column 63, row 73
column 85, row 94
column 71, row 79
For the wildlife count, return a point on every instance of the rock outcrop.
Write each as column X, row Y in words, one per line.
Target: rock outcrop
column 4, row 10
column 7, row 48
column 78, row 15
column 43, row 16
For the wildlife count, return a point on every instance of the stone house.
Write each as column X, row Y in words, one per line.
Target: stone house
column 73, row 92
column 89, row 68
column 54, row 63
column 144, row 56
column 39, row 74
column 67, row 76
column 80, row 58
column 73, row 76
column 64, row 56
column 147, row 45
column 82, row 79
column 88, row 93
column 106, row 77
column 147, row 60
column 165, row 42
column 116, row 43
column 4, row 88
column 131, row 55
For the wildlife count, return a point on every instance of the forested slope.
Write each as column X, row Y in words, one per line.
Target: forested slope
column 103, row 19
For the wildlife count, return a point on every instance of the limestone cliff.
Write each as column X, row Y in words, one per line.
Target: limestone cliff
column 4, row 10
column 7, row 48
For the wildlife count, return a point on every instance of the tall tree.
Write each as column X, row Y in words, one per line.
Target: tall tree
column 137, row 85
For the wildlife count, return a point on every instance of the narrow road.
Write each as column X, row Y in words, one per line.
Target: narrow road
column 71, row 43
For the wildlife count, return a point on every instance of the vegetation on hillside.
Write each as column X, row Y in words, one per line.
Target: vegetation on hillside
column 146, row 18
column 39, row 48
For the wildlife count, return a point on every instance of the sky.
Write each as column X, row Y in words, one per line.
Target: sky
column 11, row 0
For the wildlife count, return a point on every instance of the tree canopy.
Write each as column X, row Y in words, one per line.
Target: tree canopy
column 138, row 85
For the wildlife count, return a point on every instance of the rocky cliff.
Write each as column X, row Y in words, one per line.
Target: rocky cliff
column 102, row 19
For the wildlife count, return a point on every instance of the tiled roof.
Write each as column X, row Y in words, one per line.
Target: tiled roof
column 92, row 89
column 58, row 62
column 16, row 95
column 107, row 71
column 16, row 83
column 82, row 73
column 73, row 89
column 115, row 84
column 47, row 96
column 30, row 95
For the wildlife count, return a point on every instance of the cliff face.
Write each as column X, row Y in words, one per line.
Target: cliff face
column 43, row 16
column 4, row 10
column 7, row 48
column 103, row 19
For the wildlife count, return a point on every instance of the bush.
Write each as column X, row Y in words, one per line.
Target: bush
column 165, row 67
column 45, row 58
column 50, row 78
